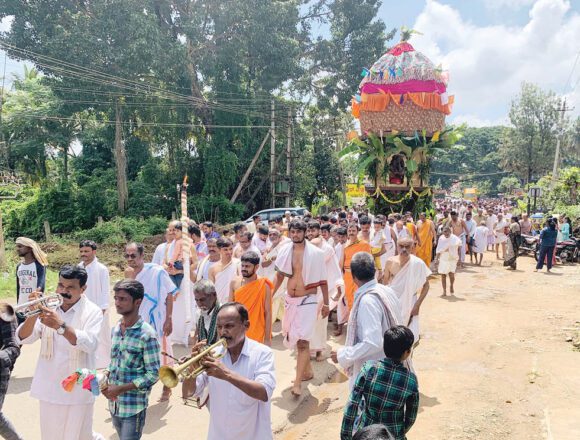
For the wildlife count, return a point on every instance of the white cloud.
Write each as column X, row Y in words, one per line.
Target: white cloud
column 509, row 4
column 5, row 24
column 487, row 64
column 475, row 121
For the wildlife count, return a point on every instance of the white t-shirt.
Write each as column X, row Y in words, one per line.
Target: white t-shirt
column 28, row 281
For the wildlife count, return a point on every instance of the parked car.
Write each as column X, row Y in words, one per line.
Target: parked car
column 270, row 214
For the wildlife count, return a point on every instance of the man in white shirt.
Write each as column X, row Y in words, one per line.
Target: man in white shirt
column 164, row 250
column 245, row 244
column 252, row 227
column 375, row 310
column 490, row 223
column 69, row 337
column 500, row 235
column 240, row 385
column 97, row 291
column 260, row 239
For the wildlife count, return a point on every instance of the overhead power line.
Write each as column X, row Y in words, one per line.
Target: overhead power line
column 66, row 69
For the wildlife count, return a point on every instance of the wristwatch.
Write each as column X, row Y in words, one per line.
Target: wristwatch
column 61, row 329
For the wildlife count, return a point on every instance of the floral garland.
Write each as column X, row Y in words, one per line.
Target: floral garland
column 425, row 192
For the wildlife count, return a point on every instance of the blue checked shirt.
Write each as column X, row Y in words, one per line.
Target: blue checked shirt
column 134, row 358
column 386, row 393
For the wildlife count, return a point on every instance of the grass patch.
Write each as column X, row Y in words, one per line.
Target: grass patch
column 8, row 283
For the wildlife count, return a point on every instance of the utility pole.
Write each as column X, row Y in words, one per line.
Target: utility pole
column 2, row 140
column 340, row 167
column 562, row 110
column 273, row 156
column 288, row 157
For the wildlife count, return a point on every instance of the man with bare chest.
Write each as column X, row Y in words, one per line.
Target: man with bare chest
column 303, row 264
column 460, row 230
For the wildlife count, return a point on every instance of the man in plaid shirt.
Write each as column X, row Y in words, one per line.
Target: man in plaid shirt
column 134, row 362
column 385, row 391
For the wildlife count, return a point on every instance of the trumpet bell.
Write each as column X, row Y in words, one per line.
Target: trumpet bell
column 192, row 367
column 7, row 312
column 168, row 376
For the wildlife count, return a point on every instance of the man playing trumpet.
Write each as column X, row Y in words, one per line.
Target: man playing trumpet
column 69, row 337
column 240, row 385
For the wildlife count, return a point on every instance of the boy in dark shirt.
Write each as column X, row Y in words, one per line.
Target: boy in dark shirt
column 385, row 391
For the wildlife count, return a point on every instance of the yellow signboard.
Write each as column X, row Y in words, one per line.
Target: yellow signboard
column 354, row 190
column 470, row 193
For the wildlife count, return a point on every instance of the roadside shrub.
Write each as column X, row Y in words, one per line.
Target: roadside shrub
column 120, row 230
column 217, row 209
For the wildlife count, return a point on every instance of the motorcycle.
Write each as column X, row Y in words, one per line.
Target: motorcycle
column 529, row 244
column 568, row 250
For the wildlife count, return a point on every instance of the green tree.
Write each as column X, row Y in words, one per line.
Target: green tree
column 474, row 160
column 527, row 148
column 159, row 88
column 357, row 40
column 508, row 184
column 32, row 128
column 563, row 196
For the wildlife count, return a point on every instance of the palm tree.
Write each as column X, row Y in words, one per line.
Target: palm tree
column 374, row 154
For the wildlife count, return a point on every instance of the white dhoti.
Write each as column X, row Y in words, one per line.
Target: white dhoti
column 67, row 422
column 480, row 239
column 447, row 250
column 320, row 335
column 299, row 319
column 181, row 326
column 501, row 238
column 334, row 282
column 447, row 263
column 103, row 354
column 463, row 248
column 408, row 280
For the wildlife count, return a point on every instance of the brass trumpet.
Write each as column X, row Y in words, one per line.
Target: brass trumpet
column 170, row 376
column 30, row 308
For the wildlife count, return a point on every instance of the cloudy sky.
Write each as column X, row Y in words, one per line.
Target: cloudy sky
column 489, row 48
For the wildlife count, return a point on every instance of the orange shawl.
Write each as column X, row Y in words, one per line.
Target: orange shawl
column 425, row 232
column 349, row 285
column 252, row 296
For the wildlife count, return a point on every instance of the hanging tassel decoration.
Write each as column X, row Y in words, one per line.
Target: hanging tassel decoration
column 69, row 383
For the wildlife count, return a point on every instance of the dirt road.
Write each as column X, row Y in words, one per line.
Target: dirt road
column 493, row 363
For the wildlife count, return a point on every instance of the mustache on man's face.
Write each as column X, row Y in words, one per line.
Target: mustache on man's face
column 66, row 295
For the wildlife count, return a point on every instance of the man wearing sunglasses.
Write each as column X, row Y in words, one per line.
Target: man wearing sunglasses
column 157, row 306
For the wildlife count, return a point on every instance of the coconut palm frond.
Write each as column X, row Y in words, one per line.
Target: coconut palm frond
column 407, row 33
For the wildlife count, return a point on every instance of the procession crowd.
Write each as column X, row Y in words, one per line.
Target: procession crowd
column 368, row 273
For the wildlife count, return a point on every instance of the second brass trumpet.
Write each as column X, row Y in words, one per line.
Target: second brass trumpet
column 170, row 376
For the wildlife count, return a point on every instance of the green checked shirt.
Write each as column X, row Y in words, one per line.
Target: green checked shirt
column 134, row 358
column 385, row 392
